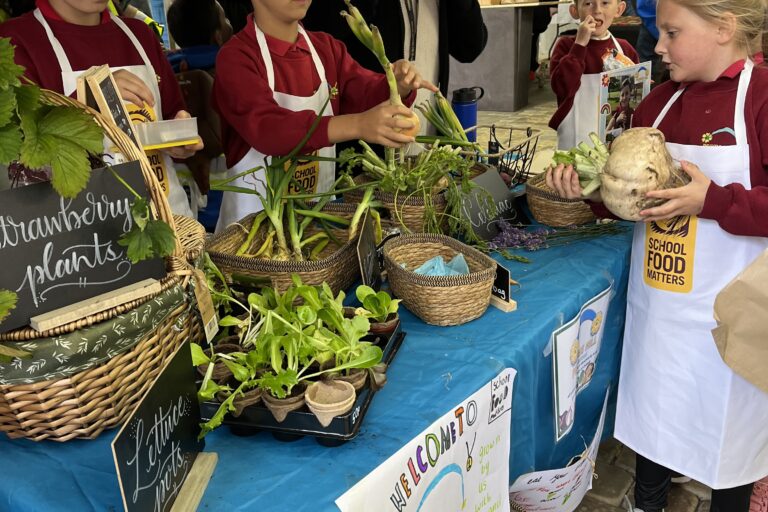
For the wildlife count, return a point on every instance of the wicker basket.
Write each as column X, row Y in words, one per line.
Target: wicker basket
column 438, row 300
column 338, row 266
column 550, row 209
column 404, row 211
column 84, row 404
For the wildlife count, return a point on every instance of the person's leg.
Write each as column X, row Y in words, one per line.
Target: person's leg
column 735, row 499
column 652, row 485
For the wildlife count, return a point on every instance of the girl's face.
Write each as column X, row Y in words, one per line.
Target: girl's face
column 687, row 43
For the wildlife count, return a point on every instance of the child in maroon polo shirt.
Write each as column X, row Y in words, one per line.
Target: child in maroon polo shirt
column 576, row 65
column 272, row 79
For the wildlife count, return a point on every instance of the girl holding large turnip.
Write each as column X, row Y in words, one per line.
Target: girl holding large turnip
column 679, row 406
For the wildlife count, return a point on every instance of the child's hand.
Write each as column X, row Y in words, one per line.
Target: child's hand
column 182, row 152
column 379, row 125
column 133, row 89
column 564, row 180
column 585, row 31
column 408, row 78
column 686, row 200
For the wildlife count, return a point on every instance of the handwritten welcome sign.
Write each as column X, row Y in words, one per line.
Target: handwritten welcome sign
column 460, row 462
column 157, row 446
column 57, row 251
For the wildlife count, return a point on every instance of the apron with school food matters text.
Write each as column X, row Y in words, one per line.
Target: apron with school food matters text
column 679, row 404
column 310, row 176
column 161, row 163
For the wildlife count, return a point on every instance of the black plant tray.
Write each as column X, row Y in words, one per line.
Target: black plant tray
column 302, row 422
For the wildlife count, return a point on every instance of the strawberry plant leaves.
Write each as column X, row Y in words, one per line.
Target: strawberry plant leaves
column 10, row 144
column 9, row 70
column 162, row 236
column 157, row 239
column 61, row 136
column 7, row 303
column 28, row 98
column 140, row 212
column 7, row 105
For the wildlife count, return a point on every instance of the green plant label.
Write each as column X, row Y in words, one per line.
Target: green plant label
column 367, row 255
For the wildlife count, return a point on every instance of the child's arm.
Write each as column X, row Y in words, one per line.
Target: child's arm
column 566, row 67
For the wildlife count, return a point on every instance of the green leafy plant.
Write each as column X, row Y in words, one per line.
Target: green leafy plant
column 376, row 305
column 288, row 338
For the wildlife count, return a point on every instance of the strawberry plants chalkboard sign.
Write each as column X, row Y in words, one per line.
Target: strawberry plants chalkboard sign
column 62, row 141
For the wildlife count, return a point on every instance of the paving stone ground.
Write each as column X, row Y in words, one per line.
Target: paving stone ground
column 615, row 470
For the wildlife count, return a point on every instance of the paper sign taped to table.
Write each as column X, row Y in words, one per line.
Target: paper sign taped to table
column 575, row 347
column 460, row 462
column 559, row 490
column 740, row 311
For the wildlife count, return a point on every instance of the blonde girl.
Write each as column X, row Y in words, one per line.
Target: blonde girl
column 679, row 406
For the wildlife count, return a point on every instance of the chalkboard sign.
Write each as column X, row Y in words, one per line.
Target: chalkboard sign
column 157, row 446
column 57, row 251
column 500, row 288
column 101, row 85
column 477, row 209
column 367, row 254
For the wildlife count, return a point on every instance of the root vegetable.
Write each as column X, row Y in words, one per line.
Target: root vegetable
column 414, row 130
column 638, row 163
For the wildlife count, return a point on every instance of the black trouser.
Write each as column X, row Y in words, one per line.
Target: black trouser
column 653, row 483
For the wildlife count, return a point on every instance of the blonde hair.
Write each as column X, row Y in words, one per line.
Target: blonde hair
column 749, row 15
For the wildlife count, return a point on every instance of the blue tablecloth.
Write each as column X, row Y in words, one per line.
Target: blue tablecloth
column 435, row 369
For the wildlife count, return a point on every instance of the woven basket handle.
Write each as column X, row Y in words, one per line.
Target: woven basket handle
column 158, row 200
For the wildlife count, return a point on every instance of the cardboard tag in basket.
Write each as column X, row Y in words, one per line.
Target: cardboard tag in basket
column 205, row 304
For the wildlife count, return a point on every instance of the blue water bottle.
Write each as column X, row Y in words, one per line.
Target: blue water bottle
column 464, row 103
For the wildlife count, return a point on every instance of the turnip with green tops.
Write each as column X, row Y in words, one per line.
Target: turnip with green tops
column 638, row 163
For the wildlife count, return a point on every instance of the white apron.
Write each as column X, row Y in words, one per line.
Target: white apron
column 679, row 405
column 161, row 162
column 313, row 176
column 584, row 116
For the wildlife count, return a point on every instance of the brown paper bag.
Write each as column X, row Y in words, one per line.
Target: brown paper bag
column 741, row 312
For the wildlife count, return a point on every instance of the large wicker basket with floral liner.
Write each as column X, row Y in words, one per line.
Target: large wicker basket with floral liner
column 87, row 375
column 337, row 264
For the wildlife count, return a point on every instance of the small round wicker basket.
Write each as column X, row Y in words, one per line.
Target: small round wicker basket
column 439, row 300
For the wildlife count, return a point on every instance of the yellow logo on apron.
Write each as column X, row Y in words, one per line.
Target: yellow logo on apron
column 305, row 176
column 146, row 114
column 669, row 251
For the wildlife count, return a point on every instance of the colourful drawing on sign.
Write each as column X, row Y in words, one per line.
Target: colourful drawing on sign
column 446, row 471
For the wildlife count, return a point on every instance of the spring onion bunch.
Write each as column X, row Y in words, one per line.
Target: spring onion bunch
column 588, row 162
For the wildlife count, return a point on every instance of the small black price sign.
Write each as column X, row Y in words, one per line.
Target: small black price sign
column 500, row 288
column 367, row 254
column 156, row 448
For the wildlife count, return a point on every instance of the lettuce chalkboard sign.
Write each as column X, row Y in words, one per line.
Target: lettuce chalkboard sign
column 58, row 251
column 156, row 448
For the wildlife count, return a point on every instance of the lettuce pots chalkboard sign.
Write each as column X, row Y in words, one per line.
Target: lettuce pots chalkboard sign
column 57, row 251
